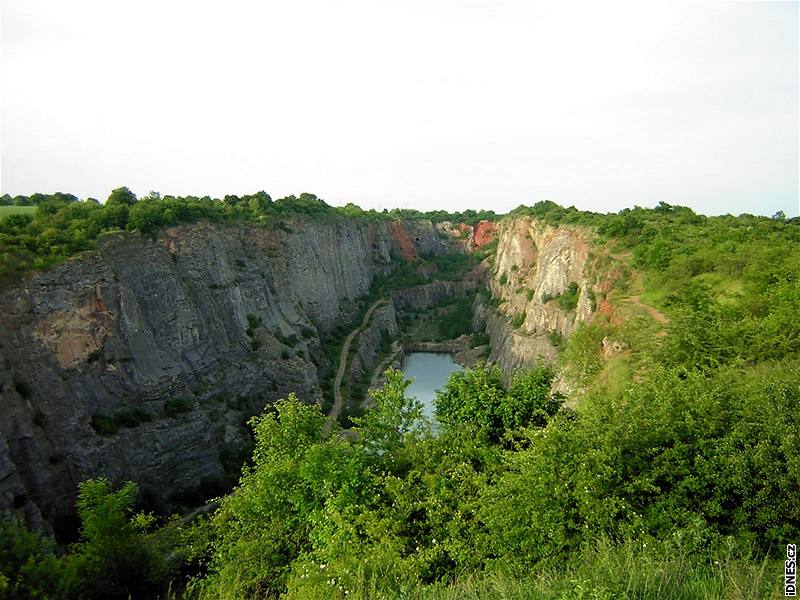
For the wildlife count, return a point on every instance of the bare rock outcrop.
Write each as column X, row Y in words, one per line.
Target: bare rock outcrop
column 535, row 264
column 142, row 360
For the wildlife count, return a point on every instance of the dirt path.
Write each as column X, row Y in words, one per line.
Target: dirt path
column 337, row 384
column 653, row 312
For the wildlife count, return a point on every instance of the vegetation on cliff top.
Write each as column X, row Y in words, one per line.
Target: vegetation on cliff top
column 681, row 483
column 60, row 225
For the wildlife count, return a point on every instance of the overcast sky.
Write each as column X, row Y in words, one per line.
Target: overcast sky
column 424, row 104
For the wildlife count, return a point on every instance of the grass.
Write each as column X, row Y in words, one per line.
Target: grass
column 608, row 571
column 6, row 211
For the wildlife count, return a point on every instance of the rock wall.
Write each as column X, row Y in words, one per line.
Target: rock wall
column 368, row 343
column 422, row 297
column 223, row 318
column 534, row 264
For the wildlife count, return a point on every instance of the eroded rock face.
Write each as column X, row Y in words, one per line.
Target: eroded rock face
column 534, row 265
column 483, row 233
column 222, row 318
column 422, row 297
column 368, row 343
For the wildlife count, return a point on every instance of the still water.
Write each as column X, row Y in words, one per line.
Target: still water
column 428, row 372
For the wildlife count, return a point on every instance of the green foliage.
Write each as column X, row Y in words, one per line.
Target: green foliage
column 481, row 339
column 104, row 424
column 394, row 419
column 478, row 396
column 638, row 494
column 28, row 567
column 264, row 525
column 288, row 340
column 253, row 323
column 469, row 216
column 674, row 452
column 109, row 424
column 518, row 320
column 556, row 339
column 111, row 560
column 455, row 319
column 677, row 484
column 6, row 211
column 451, row 267
column 488, row 299
column 643, row 569
column 119, row 555
column 582, row 355
column 503, row 279
column 60, row 225
column 567, row 300
column 705, row 332
column 121, row 196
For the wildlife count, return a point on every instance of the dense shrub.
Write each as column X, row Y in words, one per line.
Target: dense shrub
column 479, row 397
column 455, row 318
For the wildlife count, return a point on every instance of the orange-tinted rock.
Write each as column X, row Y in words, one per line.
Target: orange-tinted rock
column 399, row 233
column 483, row 233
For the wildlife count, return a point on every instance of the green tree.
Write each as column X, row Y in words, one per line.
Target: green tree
column 112, row 558
column 121, row 195
column 395, row 417
column 28, row 566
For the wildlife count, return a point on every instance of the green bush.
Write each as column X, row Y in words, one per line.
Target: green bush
column 132, row 417
column 108, row 424
column 556, row 339
column 479, row 397
column 455, row 318
column 568, row 300
column 28, row 565
column 481, row 339
column 288, row 340
column 118, row 554
column 253, row 323
column 104, row 424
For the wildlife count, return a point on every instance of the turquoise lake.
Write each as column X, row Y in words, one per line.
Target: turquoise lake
column 428, row 372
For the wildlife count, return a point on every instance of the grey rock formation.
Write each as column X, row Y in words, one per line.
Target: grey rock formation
column 368, row 344
column 425, row 296
column 222, row 318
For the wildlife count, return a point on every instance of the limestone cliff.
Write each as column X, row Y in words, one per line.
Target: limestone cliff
column 427, row 295
column 367, row 346
column 167, row 346
column 534, row 266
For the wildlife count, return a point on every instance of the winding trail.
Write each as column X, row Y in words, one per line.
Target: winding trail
column 337, row 384
column 656, row 314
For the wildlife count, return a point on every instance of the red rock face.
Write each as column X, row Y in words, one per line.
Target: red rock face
column 399, row 234
column 483, row 233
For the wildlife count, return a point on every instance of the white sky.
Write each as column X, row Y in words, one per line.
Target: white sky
column 422, row 103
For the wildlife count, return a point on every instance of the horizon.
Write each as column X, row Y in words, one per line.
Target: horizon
column 424, row 212
column 428, row 106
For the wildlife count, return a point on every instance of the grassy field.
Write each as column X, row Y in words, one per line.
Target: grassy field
column 16, row 210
